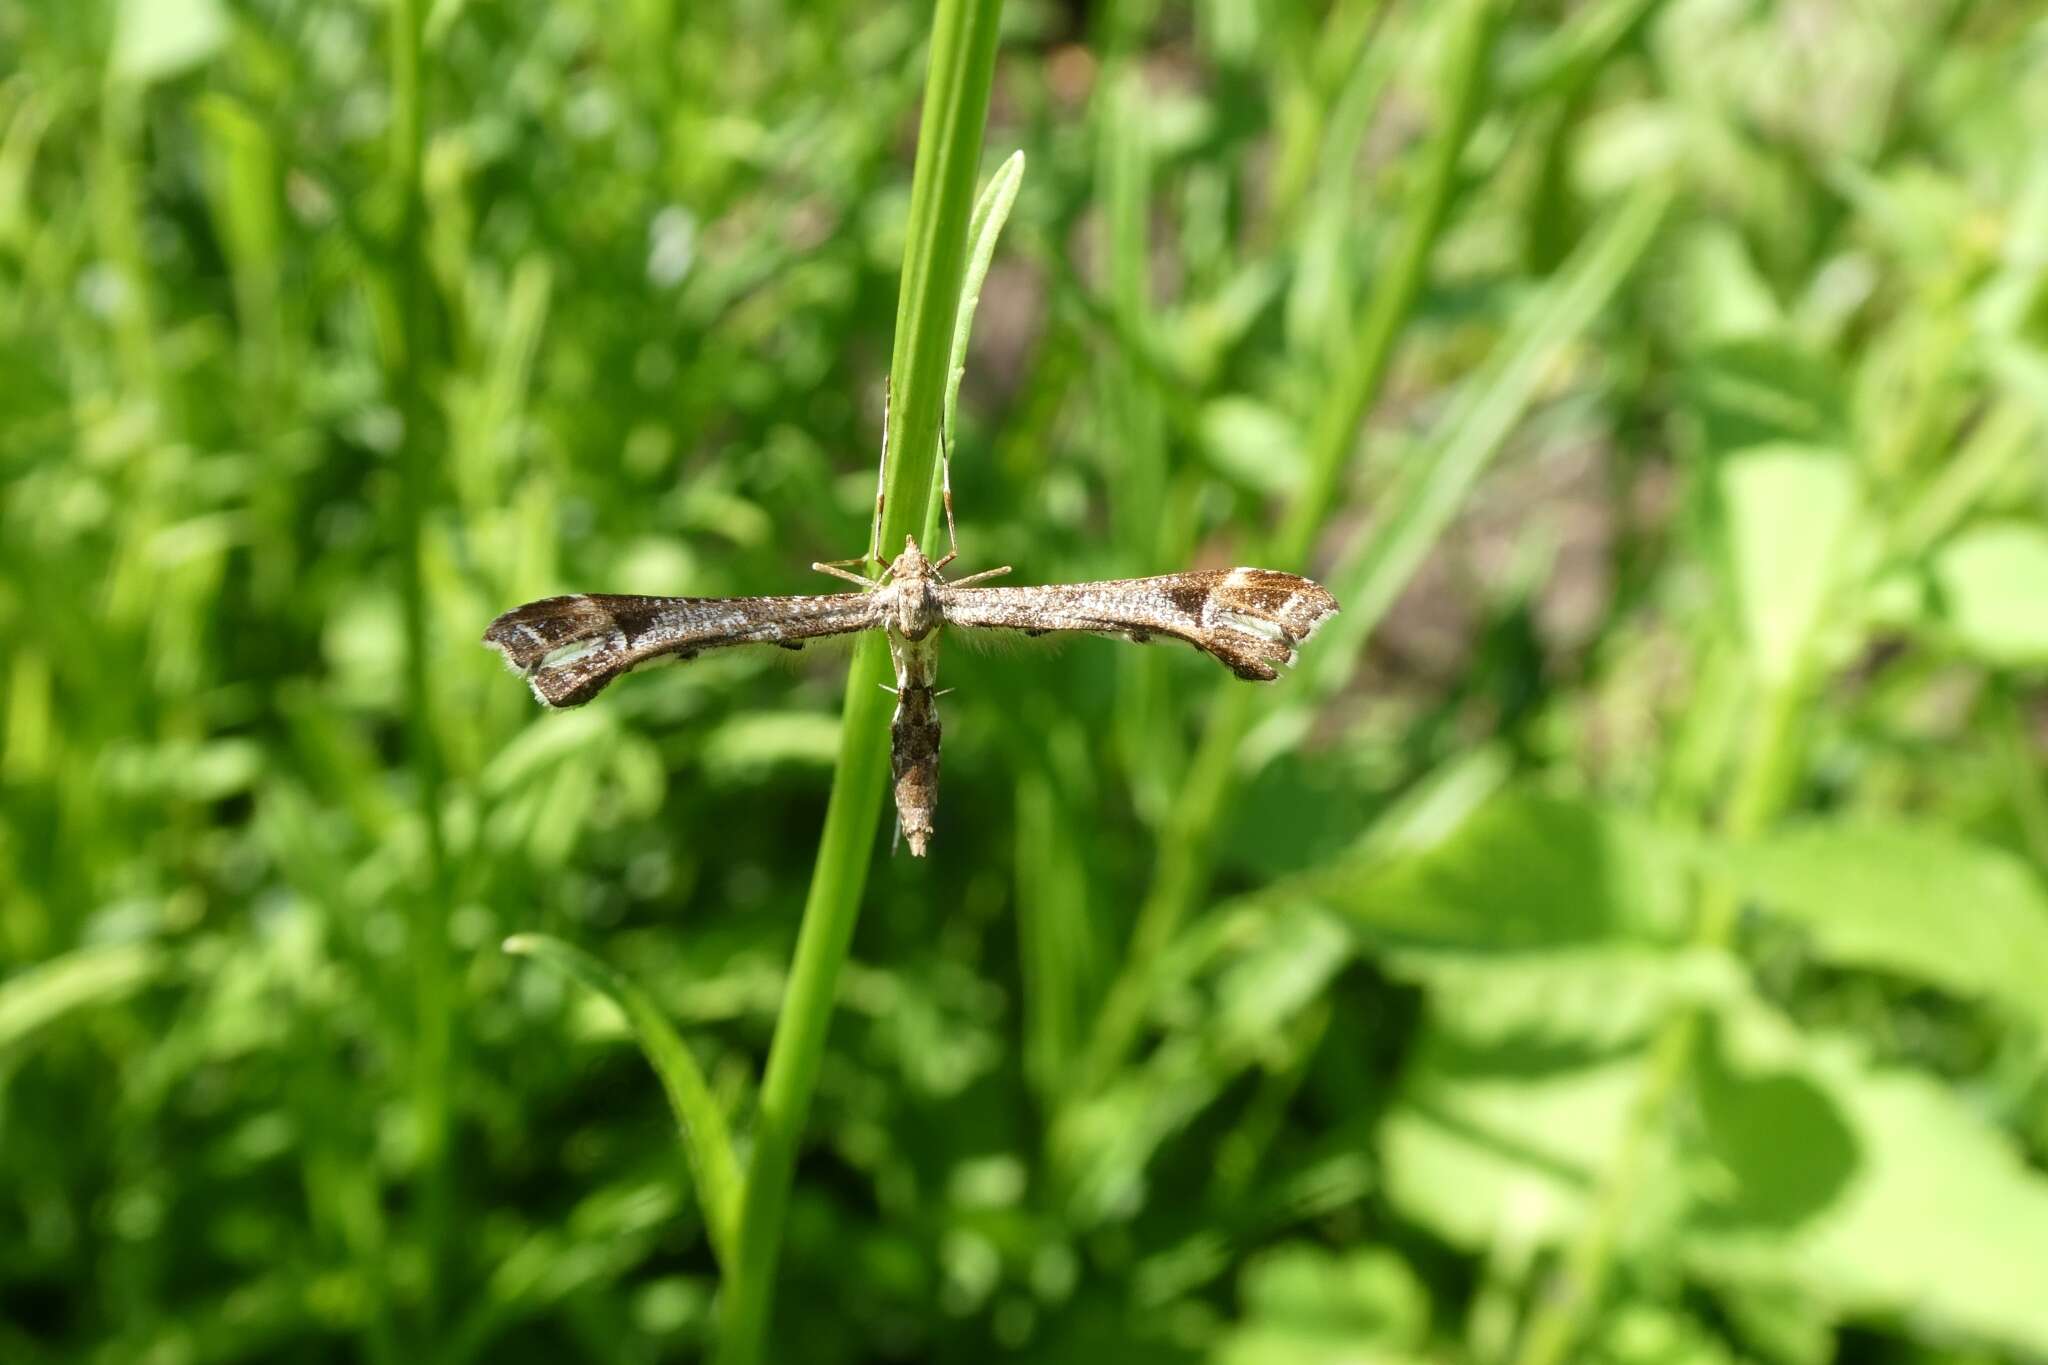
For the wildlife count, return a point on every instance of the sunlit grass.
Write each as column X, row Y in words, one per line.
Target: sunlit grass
column 1623, row 925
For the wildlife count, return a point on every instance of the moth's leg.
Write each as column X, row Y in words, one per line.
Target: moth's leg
column 978, row 577
column 874, row 550
column 836, row 569
column 946, row 497
column 881, row 477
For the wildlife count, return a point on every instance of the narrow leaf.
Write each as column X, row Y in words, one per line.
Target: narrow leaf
column 1435, row 485
column 1873, row 1189
column 991, row 211
column 1963, row 917
column 706, row 1141
column 82, row 977
column 1994, row 592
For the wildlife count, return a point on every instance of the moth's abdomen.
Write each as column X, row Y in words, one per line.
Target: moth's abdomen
column 914, row 761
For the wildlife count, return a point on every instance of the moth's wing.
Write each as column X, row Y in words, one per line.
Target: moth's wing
column 1248, row 619
column 569, row 648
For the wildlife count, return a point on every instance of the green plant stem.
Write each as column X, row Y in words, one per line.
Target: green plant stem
column 1556, row 1325
column 941, row 206
column 1181, row 870
column 1335, row 434
column 406, row 353
column 2019, row 768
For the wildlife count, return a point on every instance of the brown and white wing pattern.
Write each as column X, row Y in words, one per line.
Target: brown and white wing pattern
column 1248, row 619
column 569, row 648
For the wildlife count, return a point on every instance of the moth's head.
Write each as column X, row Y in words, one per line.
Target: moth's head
column 917, row 605
column 911, row 564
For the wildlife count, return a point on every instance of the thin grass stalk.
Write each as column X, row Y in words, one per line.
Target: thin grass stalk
column 1124, row 180
column 406, row 358
column 941, row 207
column 1182, row 867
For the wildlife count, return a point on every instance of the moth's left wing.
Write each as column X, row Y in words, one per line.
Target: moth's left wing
column 1248, row 619
column 569, row 648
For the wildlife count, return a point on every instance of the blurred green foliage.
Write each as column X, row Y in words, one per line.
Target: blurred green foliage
column 1622, row 939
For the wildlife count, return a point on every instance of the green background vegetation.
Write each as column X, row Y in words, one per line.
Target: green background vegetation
column 1623, row 938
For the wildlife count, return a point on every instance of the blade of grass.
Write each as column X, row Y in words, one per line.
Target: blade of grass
column 942, row 200
column 1125, row 176
column 991, row 211
column 1429, row 492
column 707, row 1143
column 56, row 986
column 405, row 355
column 1181, row 867
column 1335, row 434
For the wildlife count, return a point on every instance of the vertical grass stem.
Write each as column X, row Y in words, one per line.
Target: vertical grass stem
column 941, row 207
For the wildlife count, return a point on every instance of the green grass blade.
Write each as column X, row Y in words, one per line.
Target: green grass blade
column 1181, row 867
column 409, row 356
column 941, row 207
column 82, row 977
column 707, row 1142
column 991, row 211
column 1416, row 512
column 1468, row 54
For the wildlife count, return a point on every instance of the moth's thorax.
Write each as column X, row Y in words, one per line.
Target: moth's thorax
column 913, row 585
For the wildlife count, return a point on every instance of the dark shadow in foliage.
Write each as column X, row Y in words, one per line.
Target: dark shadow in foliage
column 1761, row 390
column 1299, row 812
column 1787, row 1146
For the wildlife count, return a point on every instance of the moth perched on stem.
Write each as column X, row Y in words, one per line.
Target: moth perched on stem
column 1250, row 620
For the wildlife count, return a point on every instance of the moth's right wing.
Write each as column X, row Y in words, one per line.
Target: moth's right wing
column 569, row 648
column 1246, row 619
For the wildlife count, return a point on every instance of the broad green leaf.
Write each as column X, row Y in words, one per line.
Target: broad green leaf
column 706, row 1141
column 1993, row 582
column 1591, row 999
column 1907, row 899
column 1305, row 1305
column 1502, row 1148
column 1873, row 1189
column 1526, row 871
column 1789, row 512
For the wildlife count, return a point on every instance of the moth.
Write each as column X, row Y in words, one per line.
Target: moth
column 1250, row 620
